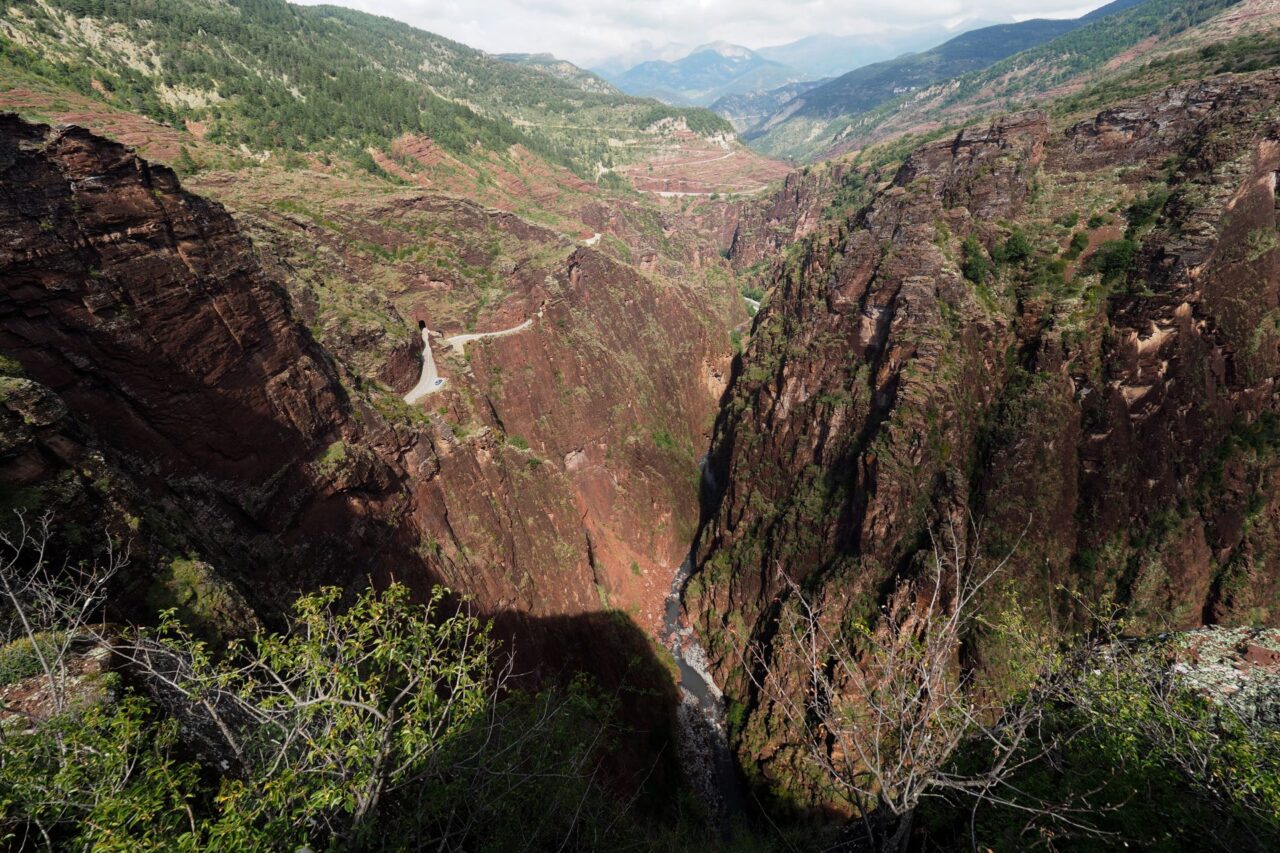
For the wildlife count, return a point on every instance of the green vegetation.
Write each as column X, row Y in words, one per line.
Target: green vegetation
column 1145, row 210
column 864, row 107
column 1079, row 242
column 1113, row 260
column 702, row 122
column 379, row 724
column 1017, row 249
column 20, row 658
column 976, row 266
column 1142, row 762
column 664, row 440
column 1086, row 48
column 278, row 77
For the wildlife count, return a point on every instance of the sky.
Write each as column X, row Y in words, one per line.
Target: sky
column 588, row 31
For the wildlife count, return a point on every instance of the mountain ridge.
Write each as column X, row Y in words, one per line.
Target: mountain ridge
column 708, row 73
column 814, row 113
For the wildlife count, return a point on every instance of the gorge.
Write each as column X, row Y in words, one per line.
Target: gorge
column 612, row 485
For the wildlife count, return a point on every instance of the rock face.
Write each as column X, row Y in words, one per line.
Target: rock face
column 574, row 488
column 763, row 228
column 144, row 309
column 158, row 379
column 555, row 476
column 1119, row 437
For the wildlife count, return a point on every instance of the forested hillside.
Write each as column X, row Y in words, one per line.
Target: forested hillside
column 272, row 76
column 983, row 70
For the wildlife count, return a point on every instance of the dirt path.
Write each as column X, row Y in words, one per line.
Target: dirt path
column 673, row 194
column 682, row 163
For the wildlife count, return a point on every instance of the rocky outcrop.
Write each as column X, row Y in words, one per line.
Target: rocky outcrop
column 160, row 379
column 762, row 228
column 871, row 356
column 554, row 476
column 584, row 467
column 1119, row 438
column 143, row 308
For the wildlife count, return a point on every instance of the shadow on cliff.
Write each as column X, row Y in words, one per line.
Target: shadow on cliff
column 214, row 425
column 621, row 662
column 716, row 465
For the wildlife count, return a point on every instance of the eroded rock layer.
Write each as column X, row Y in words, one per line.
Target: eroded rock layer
column 233, row 399
column 1070, row 335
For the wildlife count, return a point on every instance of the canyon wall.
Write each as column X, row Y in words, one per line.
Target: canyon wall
column 1107, row 416
column 233, row 398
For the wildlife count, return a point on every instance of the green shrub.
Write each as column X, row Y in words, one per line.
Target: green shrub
column 1144, row 210
column 665, row 440
column 19, row 659
column 1079, row 242
column 1015, row 250
column 1143, row 764
column 1113, row 260
column 379, row 724
column 976, row 266
column 1049, row 273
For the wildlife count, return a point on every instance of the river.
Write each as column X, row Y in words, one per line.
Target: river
column 704, row 740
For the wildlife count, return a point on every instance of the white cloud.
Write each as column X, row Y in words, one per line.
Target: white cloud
column 586, row 31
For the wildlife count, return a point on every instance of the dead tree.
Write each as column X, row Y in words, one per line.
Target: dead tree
column 54, row 607
column 884, row 707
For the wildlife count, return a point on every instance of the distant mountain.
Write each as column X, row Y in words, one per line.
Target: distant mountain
column 747, row 110
column 825, row 55
column 710, row 72
column 618, row 64
column 805, row 120
column 580, row 77
column 1117, row 40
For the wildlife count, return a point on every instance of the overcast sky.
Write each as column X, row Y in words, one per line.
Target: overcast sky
column 587, row 31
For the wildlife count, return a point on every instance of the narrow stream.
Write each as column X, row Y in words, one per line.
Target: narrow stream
column 704, row 741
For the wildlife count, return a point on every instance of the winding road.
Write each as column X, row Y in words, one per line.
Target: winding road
column 675, row 194
column 431, row 380
column 458, row 343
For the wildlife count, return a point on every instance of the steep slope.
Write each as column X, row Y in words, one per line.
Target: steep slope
column 270, row 76
column 747, row 110
column 1107, row 411
column 708, row 73
column 553, row 478
column 812, row 123
column 143, row 308
column 507, row 134
column 1103, row 50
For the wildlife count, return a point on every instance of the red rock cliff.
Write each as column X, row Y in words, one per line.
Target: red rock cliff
column 1127, row 422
